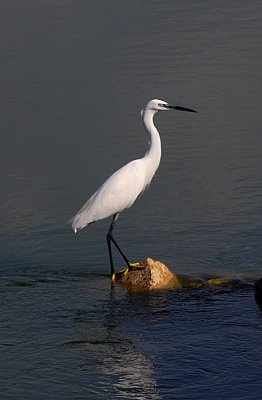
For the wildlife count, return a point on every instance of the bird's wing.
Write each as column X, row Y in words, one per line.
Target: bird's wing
column 116, row 194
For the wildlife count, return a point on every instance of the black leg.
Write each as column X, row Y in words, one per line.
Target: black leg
column 110, row 238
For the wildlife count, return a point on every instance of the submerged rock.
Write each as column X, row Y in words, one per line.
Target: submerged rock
column 147, row 275
column 220, row 281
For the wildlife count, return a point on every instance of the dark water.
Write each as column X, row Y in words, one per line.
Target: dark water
column 73, row 77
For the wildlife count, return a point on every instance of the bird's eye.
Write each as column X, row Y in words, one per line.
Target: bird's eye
column 161, row 105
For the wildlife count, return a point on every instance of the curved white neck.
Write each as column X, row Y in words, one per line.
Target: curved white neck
column 153, row 154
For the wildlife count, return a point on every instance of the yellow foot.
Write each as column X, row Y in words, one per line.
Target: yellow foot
column 136, row 265
column 122, row 272
column 119, row 273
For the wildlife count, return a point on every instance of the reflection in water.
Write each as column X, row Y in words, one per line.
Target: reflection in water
column 122, row 370
column 131, row 372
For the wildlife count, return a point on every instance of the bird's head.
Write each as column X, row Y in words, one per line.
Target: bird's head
column 156, row 105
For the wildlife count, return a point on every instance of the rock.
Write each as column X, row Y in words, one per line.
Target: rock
column 147, row 275
column 258, row 291
column 219, row 281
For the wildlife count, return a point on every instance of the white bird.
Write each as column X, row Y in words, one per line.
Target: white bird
column 122, row 188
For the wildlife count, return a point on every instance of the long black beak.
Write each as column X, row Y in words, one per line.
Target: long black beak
column 179, row 108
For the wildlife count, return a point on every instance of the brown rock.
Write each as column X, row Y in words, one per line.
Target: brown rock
column 147, row 275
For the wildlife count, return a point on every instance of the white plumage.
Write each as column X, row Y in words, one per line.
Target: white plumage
column 116, row 194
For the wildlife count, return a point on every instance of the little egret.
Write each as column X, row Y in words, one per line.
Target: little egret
column 122, row 188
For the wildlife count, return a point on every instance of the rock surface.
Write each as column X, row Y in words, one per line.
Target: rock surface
column 147, row 275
